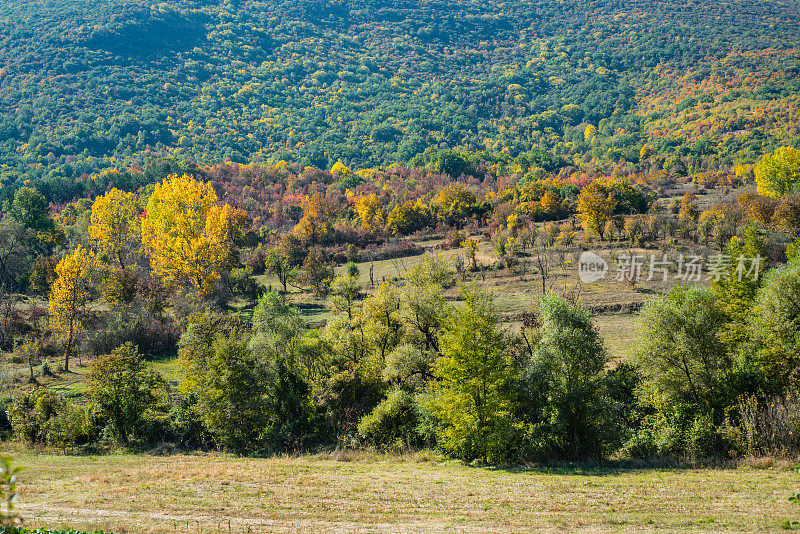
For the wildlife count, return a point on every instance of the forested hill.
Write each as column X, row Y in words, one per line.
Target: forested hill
column 86, row 85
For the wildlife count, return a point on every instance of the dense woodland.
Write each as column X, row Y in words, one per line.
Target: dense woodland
column 182, row 182
column 676, row 86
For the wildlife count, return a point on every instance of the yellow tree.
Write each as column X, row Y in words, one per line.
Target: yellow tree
column 687, row 215
column 596, row 206
column 551, row 203
column 179, row 238
column 470, row 246
column 408, row 217
column 370, row 211
column 589, row 133
column 227, row 225
column 69, row 296
column 778, row 173
column 453, row 203
column 115, row 226
column 340, row 170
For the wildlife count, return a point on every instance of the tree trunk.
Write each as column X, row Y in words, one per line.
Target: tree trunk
column 69, row 347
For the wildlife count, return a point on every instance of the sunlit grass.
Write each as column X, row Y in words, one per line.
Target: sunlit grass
column 363, row 492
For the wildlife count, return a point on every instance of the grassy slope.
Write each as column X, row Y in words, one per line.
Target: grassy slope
column 370, row 494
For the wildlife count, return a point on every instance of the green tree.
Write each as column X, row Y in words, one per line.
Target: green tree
column 345, row 289
column 232, row 384
column 278, row 265
column 469, row 400
column 572, row 356
column 125, row 390
column 775, row 325
column 423, row 307
column 317, row 272
column 31, row 209
column 291, row 247
column 382, row 326
column 15, row 252
column 679, row 352
column 278, row 331
column 282, row 342
column 736, row 289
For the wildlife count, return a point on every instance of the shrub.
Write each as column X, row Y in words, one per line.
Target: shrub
column 346, row 396
column 703, row 439
column 658, row 436
column 31, row 414
column 151, row 336
column 42, row 417
column 73, row 426
column 5, row 422
column 9, row 519
column 125, row 390
column 231, row 383
column 775, row 327
column 241, row 282
column 393, row 422
column 680, row 355
column 453, row 239
column 256, row 259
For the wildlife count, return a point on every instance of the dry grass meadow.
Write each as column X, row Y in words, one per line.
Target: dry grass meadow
column 361, row 493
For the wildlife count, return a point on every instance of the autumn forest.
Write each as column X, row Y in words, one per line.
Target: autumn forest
column 531, row 235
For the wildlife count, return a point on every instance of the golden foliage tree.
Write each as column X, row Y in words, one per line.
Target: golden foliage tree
column 115, row 226
column 778, row 173
column 470, row 247
column 453, row 203
column 596, row 206
column 340, row 170
column 70, row 293
column 184, row 234
column 370, row 211
column 408, row 217
column 551, row 203
column 227, row 225
column 589, row 133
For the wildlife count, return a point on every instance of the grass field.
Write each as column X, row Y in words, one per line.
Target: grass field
column 368, row 493
column 619, row 335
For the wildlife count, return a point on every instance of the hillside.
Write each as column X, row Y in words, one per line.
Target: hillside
column 383, row 265
column 86, row 85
